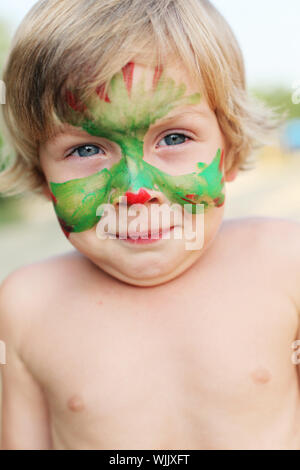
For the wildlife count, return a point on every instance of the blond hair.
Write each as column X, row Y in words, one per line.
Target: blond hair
column 88, row 41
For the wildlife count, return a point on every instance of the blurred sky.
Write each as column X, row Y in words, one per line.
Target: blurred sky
column 268, row 32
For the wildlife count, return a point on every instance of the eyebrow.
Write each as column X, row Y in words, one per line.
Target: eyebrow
column 67, row 132
column 184, row 112
column 191, row 111
column 76, row 132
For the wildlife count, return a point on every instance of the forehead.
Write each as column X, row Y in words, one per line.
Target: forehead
column 133, row 75
column 173, row 69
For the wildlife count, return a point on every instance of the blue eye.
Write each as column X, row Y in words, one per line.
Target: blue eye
column 87, row 150
column 174, row 139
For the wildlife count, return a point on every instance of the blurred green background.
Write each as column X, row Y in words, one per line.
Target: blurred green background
column 29, row 230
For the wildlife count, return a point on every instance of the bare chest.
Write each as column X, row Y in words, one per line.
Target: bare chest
column 170, row 364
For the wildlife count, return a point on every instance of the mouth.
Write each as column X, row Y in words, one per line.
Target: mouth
column 145, row 238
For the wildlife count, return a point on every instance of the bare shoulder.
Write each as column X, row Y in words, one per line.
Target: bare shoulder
column 33, row 280
column 275, row 238
column 263, row 228
column 29, row 289
column 271, row 243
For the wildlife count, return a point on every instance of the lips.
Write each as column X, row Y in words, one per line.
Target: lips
column 156, row 234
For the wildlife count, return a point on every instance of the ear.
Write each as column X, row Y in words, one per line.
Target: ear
column 231, row 174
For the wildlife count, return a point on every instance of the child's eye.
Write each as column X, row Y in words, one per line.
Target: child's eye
column 87, row 150
column 174, row 139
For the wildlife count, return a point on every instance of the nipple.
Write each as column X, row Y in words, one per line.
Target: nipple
column 261, row 376
column 76, row 404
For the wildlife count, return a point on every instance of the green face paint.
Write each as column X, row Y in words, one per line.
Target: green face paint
column 124, row 117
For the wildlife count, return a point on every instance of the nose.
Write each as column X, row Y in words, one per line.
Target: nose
column 141, row 197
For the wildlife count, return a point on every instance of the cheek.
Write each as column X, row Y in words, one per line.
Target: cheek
column 205, row 224
column 212, row 223
column 85, row 242
column 77, row 202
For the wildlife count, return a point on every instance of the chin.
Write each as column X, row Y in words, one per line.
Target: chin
column 148, row 265
column 152, row 272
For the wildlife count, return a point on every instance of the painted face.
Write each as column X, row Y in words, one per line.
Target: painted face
column 124, row 116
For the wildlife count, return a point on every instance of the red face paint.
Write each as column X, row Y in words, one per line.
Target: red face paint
column 53, row 197
column 222, row 160
column 137, row 198
column 65, row 228
column 157, row 74
column 128, row 75
column 100, row 93
column 74, row 103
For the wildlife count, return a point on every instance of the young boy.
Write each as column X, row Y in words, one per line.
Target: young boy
column 136, row 341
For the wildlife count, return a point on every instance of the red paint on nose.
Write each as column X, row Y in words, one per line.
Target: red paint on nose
column 137, row 198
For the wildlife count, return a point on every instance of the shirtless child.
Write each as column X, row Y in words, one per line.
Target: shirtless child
column 142, row 343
